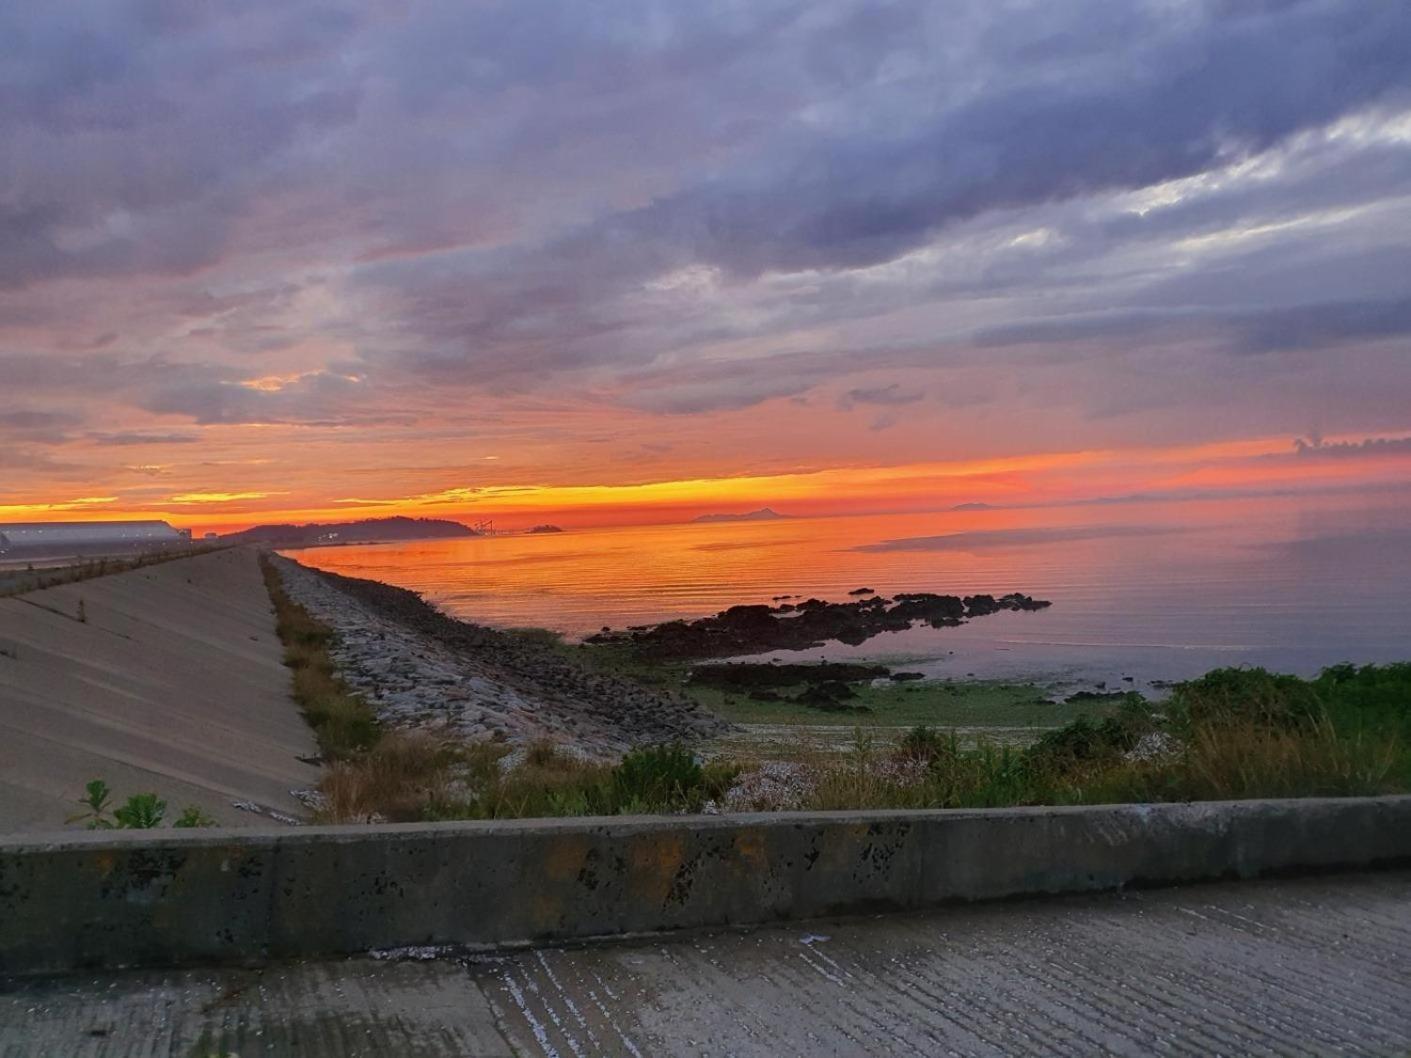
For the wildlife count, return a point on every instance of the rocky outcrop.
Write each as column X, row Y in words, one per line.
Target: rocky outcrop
column 743, row 630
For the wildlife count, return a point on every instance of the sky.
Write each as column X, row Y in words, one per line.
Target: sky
column 635, row 261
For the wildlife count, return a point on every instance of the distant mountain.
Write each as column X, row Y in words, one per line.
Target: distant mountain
column 544, row 529
column 764, row 514
column 974, row 507
column 367, row 530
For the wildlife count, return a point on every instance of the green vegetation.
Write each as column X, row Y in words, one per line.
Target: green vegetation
column 1233, row 733
column 1230, row 734
column 408, row 777
column 144, row 811
column 343, row 723
column 937, row 703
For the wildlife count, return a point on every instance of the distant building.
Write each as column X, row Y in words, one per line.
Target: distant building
column 211, row 537
column 66, row 538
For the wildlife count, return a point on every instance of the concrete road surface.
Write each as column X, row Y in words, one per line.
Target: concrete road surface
column 168, row 679
column 1316, row 966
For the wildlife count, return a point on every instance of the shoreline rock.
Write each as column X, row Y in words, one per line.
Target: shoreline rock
column 745, row 630
column 420, row 669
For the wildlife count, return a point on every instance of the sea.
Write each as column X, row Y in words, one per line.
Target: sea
column 1144, row 593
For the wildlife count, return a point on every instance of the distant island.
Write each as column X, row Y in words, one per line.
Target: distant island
column 364, row 531
column 974, row 507
column 764, row 514
column 544, row 529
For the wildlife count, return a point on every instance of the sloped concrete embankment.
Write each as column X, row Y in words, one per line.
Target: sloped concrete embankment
column 166, row 679
column 109, row 900
column 420, row 668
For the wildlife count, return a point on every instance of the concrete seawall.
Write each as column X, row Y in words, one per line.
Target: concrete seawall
column 79, row 901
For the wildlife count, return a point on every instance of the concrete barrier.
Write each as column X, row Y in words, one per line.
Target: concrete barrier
column 105, row 900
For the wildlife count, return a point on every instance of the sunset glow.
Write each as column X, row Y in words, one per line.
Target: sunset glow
column 431, row 259
column 1232, row 469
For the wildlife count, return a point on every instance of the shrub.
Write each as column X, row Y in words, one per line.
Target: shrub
column 1084, row 740
column 1370, row 696
column 927, row 744
column 658, row 776
column 1236, row 696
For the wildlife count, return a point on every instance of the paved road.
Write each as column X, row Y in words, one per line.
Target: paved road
column 168, row 679
column 1302, row 966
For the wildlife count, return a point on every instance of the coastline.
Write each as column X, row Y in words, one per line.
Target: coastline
column 420, row 669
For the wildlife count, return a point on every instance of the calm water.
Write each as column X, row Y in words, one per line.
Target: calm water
column 1150, row 591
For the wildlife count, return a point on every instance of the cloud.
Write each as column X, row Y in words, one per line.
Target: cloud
column 187, row 498
column 1313, row 326
column 1317, row 448
column 140, row 437
column 890, row 396
column 40, row 427
column 741, row 388
column 409, row 224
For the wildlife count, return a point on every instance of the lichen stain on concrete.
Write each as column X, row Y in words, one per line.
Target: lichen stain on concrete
column 653, row 862
column 567, row 857
column 546, row 913
column 752, row 849
column 726, row 852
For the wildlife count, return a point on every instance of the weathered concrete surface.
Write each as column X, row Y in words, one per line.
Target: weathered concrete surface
column 135, row 899
column 1291, row 967
column 172, row 684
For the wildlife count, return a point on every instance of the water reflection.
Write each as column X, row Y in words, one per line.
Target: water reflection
column 1145, row 590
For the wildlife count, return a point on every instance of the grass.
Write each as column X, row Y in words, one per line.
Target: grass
column 1232, row 734
column 396, row 780
column 343, row 723
column 949, row 703
column 895, row 704
column 408, row 777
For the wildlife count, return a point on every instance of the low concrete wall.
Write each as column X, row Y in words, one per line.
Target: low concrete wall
column 92, row 900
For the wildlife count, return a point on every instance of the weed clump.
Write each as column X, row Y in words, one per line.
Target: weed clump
column 657, row 775
column 409, row 776
column 143, row 811
column 394, row 781
column 928, row 745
